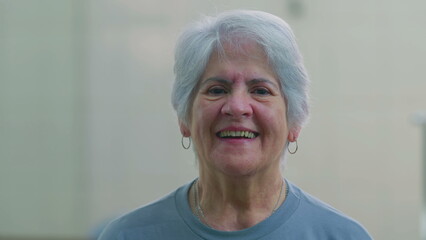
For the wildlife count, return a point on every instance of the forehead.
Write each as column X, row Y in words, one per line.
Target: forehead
column 236, row 59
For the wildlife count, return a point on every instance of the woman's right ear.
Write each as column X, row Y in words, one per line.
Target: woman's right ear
column 184, row 130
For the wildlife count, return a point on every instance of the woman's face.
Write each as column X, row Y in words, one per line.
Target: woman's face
column 238, row 118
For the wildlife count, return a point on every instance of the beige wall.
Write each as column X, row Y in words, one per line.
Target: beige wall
column 42, row 167
column 361, row 151
column 120, row 148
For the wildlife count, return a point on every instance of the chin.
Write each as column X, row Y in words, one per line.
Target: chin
column 239, row 167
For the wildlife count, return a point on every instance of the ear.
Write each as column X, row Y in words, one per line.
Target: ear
column 184, row 129
column 293, row 133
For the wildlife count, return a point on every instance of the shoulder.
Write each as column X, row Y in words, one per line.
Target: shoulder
column 325, row 219
column 159, row 212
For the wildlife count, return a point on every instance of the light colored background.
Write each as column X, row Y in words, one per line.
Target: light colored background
column 87, row 130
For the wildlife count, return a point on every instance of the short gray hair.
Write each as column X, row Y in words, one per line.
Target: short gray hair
column 273, row 34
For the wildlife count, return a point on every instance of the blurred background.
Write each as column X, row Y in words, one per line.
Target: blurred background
column 87, row 131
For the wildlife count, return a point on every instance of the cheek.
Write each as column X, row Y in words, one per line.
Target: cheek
column 274, row 120
column 205, row 110
column 203, row 115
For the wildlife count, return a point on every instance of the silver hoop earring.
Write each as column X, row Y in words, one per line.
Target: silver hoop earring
column 295, row 150
column 189, row 143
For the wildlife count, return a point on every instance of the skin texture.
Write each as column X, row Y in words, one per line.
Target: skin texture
column 240, row 178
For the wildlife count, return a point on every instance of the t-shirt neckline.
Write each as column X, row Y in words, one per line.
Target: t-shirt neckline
column 263, row 228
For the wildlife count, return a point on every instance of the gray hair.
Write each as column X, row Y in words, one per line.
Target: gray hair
column 273, row 34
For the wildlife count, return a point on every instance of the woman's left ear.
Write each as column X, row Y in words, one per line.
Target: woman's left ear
column 184, row 129
column 293, row 134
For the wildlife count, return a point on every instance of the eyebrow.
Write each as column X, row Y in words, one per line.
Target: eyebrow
column 216, row 79
column 250, row 82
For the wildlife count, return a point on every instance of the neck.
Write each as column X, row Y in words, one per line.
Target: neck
column 235, row 203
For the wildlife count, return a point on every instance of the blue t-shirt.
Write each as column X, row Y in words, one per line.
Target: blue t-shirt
column 300, row 217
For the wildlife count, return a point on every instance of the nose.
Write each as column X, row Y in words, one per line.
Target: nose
column 238, row 104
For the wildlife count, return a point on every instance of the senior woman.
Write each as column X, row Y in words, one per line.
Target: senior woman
column 241, row 98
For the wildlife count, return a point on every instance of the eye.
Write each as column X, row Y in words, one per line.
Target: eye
column 217, row 90
column 261, row 91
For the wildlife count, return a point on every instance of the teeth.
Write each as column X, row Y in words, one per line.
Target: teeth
column 246, row 134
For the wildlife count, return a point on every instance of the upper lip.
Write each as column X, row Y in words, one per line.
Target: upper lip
column 237, row 129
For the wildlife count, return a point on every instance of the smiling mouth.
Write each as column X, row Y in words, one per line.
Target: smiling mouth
column 237, row 134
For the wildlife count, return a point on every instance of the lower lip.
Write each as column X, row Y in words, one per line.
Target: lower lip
column 236, row 140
